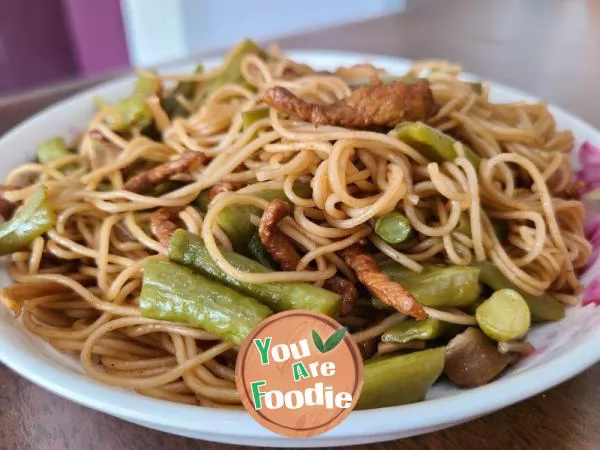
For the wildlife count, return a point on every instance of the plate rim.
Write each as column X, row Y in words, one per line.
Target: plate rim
column 239, row 424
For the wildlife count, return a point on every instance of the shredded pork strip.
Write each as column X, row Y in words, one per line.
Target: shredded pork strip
column 367, row 106
column 163, row 223
column 379, row 284
column 145, row 181
column 277, row 244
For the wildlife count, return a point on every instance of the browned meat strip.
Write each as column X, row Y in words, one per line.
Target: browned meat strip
column 379, row 284
column 346, row 289
column 163, row 223
column 573, row 190
column 145, row 181
column 368, row 106
column 277, row 244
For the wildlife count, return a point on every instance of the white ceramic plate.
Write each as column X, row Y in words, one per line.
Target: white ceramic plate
column 566, row 347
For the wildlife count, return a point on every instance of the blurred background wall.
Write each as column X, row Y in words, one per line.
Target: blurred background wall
column 46, row 41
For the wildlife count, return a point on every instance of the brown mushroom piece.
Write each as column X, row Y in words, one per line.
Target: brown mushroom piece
column 472, row 359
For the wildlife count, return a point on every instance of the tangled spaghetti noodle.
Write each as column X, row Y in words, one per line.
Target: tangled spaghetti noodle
column 78, row 285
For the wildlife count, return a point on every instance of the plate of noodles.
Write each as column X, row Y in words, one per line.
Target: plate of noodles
column 151, row 222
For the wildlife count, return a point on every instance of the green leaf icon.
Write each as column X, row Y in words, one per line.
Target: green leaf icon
column 334, row 340
column 318, row 341
column 331, row 342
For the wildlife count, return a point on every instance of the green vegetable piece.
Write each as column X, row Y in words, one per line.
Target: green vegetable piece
column 133, row 111
column 504, row 316
column 176, row 293
column 435, row 286
column 259, row 253
column 399, row 380
column 232, row 72
column 185, row 89
column 431, row 143
column 52, row 150
column 543, row 308
column 235, row 220
column 189, row 249
column 254, row 115
column 393, row 227
column 31, row 220
column 411, row 330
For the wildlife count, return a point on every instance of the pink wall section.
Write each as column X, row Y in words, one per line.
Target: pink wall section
column 97, row 34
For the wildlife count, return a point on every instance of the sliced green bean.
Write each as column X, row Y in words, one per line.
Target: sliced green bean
column 411, row 330
column 133, row 111
column 178, row 294
column 52, row 150
column 399, row 380
column 393, row 227
column 31, row 220
column 437, row 286
column 184, row 89
column 432, row 143
column 189, row 250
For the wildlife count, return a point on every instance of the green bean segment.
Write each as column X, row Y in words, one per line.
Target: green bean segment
column 178, row 294
column 411, row 330
column 504, row 316
column 189, row 250
column 393, row 227
column 31, row 220
column 437, row 286
column 432, row 143
column 399, row 380
column 52, row 150
column 185, row 89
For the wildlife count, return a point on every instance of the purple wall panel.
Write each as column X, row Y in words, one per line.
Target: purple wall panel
column 35, row 47
column 97, row 34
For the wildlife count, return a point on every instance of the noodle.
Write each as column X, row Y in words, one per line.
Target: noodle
column 101, row 241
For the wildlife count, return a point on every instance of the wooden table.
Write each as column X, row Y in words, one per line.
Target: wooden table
column 550, row 48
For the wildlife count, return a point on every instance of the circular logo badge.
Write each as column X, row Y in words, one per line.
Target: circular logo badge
column 299, row 373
